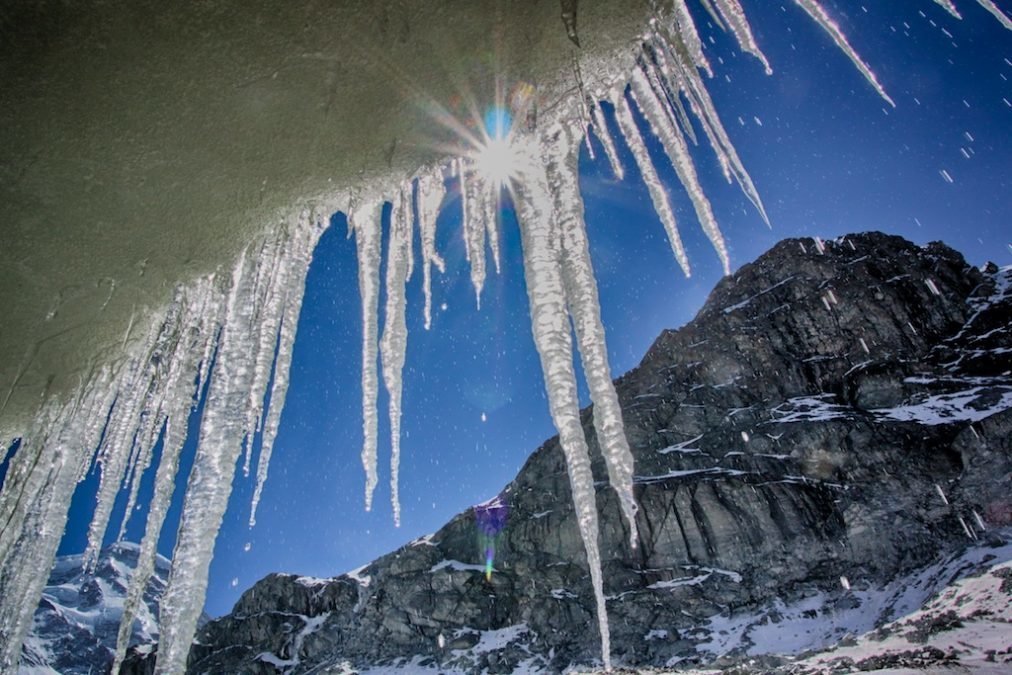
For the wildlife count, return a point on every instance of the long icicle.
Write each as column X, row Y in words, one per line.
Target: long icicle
column 200, row 326
column 949, row 7
column 562, row 168
column 682, row 77
column 678, row 152
column 673, row 104
column 658, row 195
column 153, row 415
column 733, row 13
column 603, row 135
column 394, row 343
column 117, row 447
column 996, row 12
column 491, row 191
column 222, row 431
column 364, row 221
column 431, row 190
column 816, row 11
column 472, row 187
column 685, row 28
column 266, row 320
column 290, row 295
column 36, row 500
column 210, row 482
column 550, row 325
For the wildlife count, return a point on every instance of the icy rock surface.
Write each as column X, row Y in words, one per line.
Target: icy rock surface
column 767, row 470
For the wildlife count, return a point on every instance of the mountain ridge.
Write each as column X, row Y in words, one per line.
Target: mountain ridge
column 837, row 410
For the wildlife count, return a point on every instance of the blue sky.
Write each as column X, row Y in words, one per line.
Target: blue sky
column 828, row 157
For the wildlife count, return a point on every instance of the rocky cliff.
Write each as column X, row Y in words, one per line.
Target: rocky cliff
column 834, row 420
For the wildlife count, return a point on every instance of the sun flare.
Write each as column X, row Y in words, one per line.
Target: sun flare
column 497, row 161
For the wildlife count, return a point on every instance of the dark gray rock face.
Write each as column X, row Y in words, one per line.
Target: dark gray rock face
column 838, row 415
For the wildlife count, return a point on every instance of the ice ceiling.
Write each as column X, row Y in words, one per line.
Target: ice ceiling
column 144, row 144
column 167, row 173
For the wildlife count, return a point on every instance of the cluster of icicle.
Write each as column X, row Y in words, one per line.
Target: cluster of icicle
column 232, row 335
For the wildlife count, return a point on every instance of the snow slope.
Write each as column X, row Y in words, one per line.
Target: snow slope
column 75, row 625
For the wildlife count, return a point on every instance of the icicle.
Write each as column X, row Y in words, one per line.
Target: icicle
column 686, row 34
column 949, row 7
column 210, row 482
column 220, row 443
column 699, row 98
column 562, row 168
column 603, row 135
column 678, row 77
column 472, row 187
column 144, row 444
column 658, row 195
column 490, row 210
column 164, row 357
column 200, row 325
column 393, row 344
column 364, row 219
column 677, row 151
column 266, row 320
column 683, row 120
column 551, row 329
column 36, row 498
column 673, row 103
column 431, row 191
column 815, row 10
column 733, row 13
column 708, row 6
column 585, row 123
column 998, row 13
column 284, row 314
column 117, row 447
column 139, row 465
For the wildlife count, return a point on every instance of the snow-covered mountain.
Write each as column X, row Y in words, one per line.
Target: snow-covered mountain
column 76, row 622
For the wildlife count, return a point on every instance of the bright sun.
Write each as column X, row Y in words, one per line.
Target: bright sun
column 497, row 160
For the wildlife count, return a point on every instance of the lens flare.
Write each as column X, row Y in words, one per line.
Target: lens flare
column 490, row 517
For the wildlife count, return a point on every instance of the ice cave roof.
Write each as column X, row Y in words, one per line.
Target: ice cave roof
column 145, row 142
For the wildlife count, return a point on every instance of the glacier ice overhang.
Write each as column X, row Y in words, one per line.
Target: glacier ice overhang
column 146, row 143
